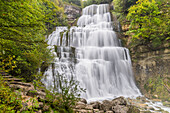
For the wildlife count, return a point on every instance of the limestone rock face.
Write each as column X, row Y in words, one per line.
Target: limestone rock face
column 150, row 65
column 72, row 12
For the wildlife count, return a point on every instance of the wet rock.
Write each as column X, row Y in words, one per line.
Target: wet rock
column 119, row 101
column 89, row 107
column 150, row 108
column 107, row 105
column 133, row 109
column 156, row 100
column 96, row 110
column 166, row 103
column 144, row 112
column 83, row 100
column 109, row 111
column 80, row 105
column 96, row 105
column 141, row 105
column 101, row 111
column 155, row 96
column 89, row 111
column 120, row 109
column 83, row 111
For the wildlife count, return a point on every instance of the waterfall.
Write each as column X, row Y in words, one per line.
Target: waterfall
column 92, row 53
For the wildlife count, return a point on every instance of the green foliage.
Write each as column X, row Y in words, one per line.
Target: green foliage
column 8, row 64
column 69, row 90
column 66, row 93
column 121, row 6
column 149, row 23
column 23, row 26
column 89, row 2
column 155, row 86
column 33, row 107
column 10, row 102
column 77, row 2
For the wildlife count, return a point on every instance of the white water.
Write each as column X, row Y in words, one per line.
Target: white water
column 157, row 106
column 102, row 66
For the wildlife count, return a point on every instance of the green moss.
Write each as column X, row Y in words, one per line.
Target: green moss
column 133, row 109
column 56, row 48
column 155, row 86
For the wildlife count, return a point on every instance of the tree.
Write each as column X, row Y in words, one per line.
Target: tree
column 22, row 33
column 121, row 6
column 76, row 2
column 149, row 24
column 89, row 2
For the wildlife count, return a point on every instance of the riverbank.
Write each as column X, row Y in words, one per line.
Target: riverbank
column 37, row 100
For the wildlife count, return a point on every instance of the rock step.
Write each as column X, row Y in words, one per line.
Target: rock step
column 13, row 79
column 21, row 83
column 4, row 73
column 9, row 76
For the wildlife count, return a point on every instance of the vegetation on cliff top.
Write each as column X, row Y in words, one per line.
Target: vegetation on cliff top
column 148, row 19
column 149, row 23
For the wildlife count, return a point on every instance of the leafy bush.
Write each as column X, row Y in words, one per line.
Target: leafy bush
column 65, row 94
column 24, row 25
column 89, row 2
column 157, row 86
column 9, row 100
column 149, row 23
column 7, row 64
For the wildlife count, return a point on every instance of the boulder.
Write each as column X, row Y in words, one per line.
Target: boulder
column 96, row 105
column 83, row 111
column 109, row 111
column 83, row 100
column 89, row 107
column 120, row 109
column 101, row 111
column 133, row 109
column 119, row 101
column 96, row 110
column 80, row 105
column 107, row 105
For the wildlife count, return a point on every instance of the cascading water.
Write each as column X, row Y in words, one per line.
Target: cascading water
column 93, row 54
